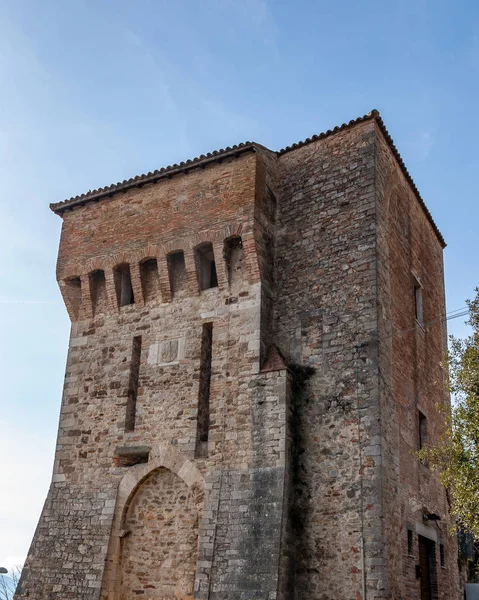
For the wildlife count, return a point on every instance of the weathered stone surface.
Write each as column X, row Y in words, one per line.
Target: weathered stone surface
column 160, row 528
column 294, row 477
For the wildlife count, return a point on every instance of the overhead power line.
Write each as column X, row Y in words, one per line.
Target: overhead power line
column 454, row 314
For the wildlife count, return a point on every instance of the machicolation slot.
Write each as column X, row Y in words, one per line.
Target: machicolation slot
column 99, row 298
column 72, row 292
column 233, row 254
column 149, row 279
column 123, row 287
column 206, row 266
column 177, row 272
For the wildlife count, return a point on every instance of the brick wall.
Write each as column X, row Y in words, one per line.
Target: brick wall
column 82, row 524
column 411, row 378
column 297, row 477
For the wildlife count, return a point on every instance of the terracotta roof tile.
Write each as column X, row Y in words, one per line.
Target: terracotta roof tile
column 152, row 176
column 234, row 151
column 374, row 115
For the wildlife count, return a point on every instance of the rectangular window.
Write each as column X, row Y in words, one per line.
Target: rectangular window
column 203, row 422
column 427, row 568
column 206, row 267
column 422, row 430
column 130, row 417
column 442, row 555
column 409, row 541
column 418, row 303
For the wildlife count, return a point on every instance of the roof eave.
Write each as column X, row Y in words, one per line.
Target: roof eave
column 234, row 151
column 150, row 178
column 376, row 117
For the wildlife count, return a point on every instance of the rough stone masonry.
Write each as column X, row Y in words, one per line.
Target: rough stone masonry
column 254, row 358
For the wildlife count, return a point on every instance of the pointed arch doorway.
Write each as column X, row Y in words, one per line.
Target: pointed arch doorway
column 158, row 547
column 153, row 549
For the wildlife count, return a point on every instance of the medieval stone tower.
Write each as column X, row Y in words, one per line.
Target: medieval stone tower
column 254, row 357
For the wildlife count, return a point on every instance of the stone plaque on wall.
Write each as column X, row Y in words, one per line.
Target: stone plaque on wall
column 166, row 352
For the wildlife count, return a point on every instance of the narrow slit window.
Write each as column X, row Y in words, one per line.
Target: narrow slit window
column 98, row 291
column 130, row 416
column 149, row 279
column 206, row 267
column 409, row 541
column 418, row 303
column 233, row 252
column 73, row 295
column 422, row 430
column 203, row 423
column 123, row 287
column 271, row 204
column 442, row 556
column 177, row 272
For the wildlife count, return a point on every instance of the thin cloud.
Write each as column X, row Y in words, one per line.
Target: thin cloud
column 12, row 562
column 420, row 145
column 2, row 301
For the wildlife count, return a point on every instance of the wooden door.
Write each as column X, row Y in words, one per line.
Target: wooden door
column 425, row 564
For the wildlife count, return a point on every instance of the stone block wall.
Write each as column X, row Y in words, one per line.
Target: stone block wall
column 412, row 382
column 244, row 382
column 325, row 310
column 242, row 547
column 161, row 529
column 85, row 521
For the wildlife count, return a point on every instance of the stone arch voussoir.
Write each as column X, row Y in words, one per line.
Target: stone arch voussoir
column 121, row 258
column 96, row 264
column 172, row 246
column 149, row 252
column 203, row 237
column 165, row 456
column 231, row 230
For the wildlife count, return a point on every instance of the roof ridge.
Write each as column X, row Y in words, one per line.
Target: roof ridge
column 236, row 150
column 374, row 115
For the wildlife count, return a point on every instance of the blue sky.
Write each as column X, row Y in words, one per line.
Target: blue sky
column 93, row 92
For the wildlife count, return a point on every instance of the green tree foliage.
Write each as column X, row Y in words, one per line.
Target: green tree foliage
column 456, row 457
